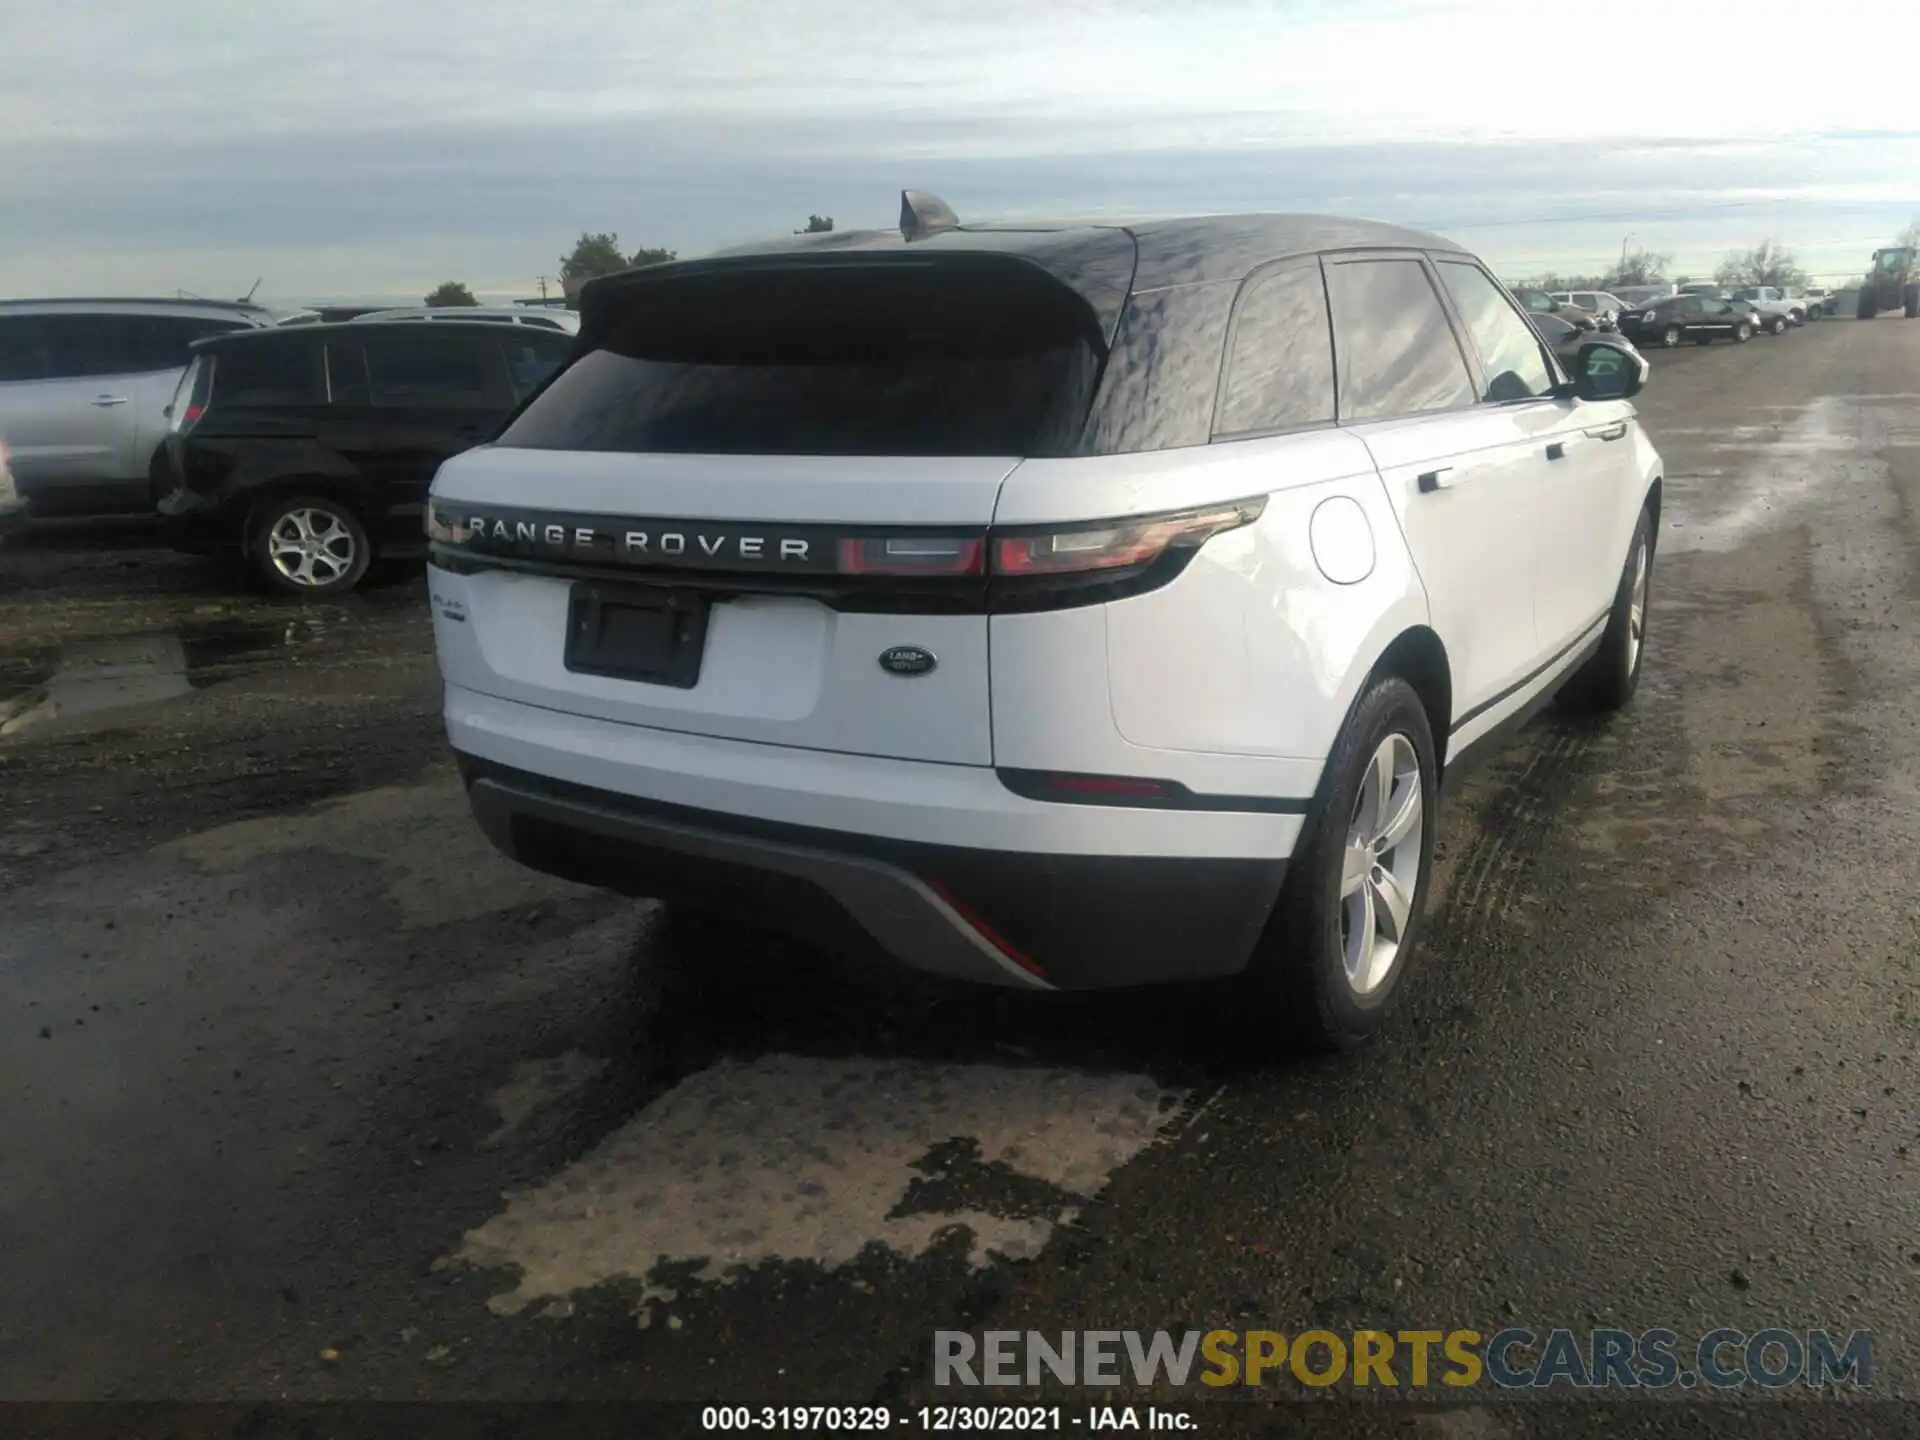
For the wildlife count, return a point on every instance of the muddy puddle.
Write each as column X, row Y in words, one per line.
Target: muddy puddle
column 44, row 688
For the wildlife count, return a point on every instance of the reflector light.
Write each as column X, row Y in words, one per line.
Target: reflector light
column 983, row 929
column 913, row 555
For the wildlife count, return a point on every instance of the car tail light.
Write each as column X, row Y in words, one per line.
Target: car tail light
column 1116, row 544
column 913, row 555
column 190, row 395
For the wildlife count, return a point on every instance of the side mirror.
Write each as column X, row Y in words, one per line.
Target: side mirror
column 1605, row 370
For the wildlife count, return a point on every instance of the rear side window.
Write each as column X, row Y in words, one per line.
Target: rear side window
column 1395, row 350
column 430, row 367
column 957, row 357
column 1508, row 345
column 269, row 373
column 1280, row 355
column 26, row 350
column 347, row 373
column 530, row 361
column 69, row 346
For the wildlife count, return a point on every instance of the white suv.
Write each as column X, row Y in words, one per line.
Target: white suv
column 1065, row 607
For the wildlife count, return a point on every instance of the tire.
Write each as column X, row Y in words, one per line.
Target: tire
column 313, row 535
column 1777, row 325
column 1913, row 302
column 1868, row 308
column 1608, row 680
column 1309, row 974
column 1670, row 337
column 1743, row 333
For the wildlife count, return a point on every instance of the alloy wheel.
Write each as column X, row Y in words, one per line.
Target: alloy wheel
column 1637, row 607
column 1670, row 337
column 311, row 547
column 1380, row 873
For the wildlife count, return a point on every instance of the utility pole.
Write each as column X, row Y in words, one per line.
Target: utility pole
column 543, row 287
column 1623, row 254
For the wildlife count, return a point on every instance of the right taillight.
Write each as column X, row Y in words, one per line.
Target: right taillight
column 1082, row 549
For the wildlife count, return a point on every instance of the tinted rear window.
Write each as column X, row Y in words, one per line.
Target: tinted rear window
column 269, row 373
column 883, row 358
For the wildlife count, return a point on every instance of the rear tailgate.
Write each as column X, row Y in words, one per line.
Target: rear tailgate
column 755, row 506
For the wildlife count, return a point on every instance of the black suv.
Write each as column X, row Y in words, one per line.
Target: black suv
column 310, row 449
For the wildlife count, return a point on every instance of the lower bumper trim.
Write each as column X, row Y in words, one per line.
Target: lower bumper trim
column 1033, row 920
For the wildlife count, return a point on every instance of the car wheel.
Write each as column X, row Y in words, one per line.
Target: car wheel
column 1349, row 911
column 1670, row 337
column 1777, row 326
column 310, row 545
column 1742, row 333
column 1607, row 681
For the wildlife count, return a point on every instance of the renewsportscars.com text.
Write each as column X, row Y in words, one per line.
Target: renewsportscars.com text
column 1513, row 1359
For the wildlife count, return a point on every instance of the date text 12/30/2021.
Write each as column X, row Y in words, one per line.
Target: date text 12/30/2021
column 948, row 1419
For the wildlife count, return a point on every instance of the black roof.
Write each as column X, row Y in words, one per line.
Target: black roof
column 1194, row 250
column 1102, row 260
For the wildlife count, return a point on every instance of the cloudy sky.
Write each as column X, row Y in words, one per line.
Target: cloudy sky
column 367, row 149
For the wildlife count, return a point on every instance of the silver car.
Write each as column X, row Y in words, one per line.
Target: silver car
column 13, row 509
column 84, row 390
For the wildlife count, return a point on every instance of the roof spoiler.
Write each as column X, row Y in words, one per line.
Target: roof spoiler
column 923, row 214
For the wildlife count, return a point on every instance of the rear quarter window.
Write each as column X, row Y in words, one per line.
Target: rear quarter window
column 269, row 374
column 1163, row 376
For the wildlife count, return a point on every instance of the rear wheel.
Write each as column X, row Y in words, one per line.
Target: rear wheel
column 1607, row 681
column 1777, row 325
column 1742, row 332
column 1348, row 916
column 310, row 545
column 1913, row 302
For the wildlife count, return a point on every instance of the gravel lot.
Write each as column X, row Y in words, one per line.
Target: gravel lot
column 309, row 1096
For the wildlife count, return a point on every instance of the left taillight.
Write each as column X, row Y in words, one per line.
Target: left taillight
column 190, row 395
column 1113, row 548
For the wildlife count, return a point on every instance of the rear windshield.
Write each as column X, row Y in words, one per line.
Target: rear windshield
column 987, row 356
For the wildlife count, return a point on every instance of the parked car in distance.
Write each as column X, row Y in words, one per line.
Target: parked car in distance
column 1633, row 297
column 1075, row 634
column 1539, row 302
column 309, row 450
column 1566, row 340
column 297, row 317
column 1702, row 287
column 13, row 505
column 1818, row 301
column 538, row 317
column 1775, row 310
column 1603, row 305
column 84, row 386
column 1700, row 318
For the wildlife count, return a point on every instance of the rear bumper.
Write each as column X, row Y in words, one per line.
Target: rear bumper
column 1040, row 920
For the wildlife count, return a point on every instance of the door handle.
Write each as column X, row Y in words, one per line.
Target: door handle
column 1609, row 432
column 105, row 400
column 1432, row 480
column 1557, row 450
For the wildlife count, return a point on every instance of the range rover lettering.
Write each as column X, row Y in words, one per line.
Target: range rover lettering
column 1231, row 536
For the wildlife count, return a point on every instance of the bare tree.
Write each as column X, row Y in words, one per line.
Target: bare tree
column 1909, row 237
column 1768, row 263
column 1638, row 267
